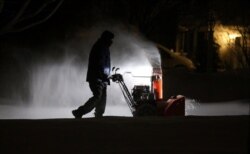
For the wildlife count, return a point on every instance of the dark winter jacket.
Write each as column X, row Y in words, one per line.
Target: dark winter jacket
column 99, row 62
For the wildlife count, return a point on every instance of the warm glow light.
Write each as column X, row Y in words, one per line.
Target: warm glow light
column 233, row 36
column 225, row 36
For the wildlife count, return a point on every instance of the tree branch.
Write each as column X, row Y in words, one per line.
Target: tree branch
column 40, row 21
column 35, row 13
column 10, row 26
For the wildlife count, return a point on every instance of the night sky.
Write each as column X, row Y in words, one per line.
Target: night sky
column 156, row 19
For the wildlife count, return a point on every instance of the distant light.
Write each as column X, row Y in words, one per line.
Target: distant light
column 233, row 36
column 225, row 37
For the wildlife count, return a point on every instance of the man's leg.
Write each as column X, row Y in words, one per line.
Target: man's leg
column 96, row 89
column 101, row 104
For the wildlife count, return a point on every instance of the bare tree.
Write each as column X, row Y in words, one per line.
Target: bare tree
column 24, row 18
column 244, row 58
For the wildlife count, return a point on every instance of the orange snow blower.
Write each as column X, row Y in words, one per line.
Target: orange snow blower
column 148, row 100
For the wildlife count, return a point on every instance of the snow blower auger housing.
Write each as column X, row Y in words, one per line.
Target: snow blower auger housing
column 146, row 101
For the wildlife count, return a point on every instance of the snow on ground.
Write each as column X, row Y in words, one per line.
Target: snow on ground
column 238, row 107
column 193, row 107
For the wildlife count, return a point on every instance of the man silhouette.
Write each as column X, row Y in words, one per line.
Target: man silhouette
column 97, row 76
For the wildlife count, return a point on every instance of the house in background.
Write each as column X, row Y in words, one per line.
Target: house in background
column 225, row 47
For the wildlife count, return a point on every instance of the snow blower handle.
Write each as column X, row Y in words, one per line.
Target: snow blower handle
column 115, row 77
column 115, row 68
